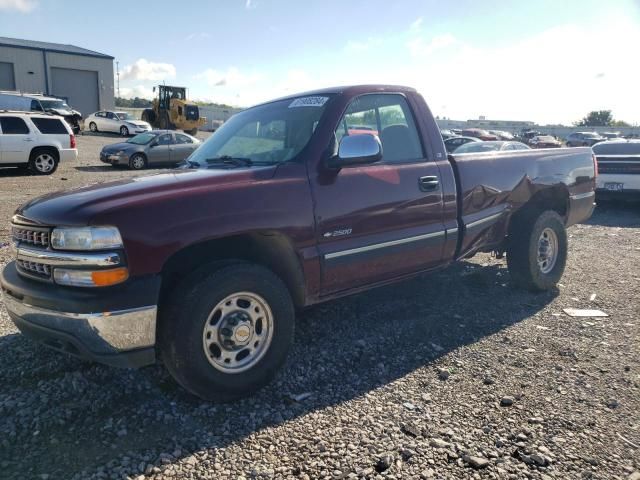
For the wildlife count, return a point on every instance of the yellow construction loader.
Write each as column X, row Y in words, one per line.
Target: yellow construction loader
column 172, row 111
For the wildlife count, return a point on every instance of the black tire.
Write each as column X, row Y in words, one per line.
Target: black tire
column 138, row 162
column 149, row 116
column 164, row 121
column 93, row 127
column 523, row 251
column 124, row 131
column 184, row 319
column 43, row 161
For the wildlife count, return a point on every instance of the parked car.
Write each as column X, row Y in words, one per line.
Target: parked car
column 119, row 122
column 618, row 169
column 583, row 139
column 208, row 264
column 479, row 133
column 447, row 134
column 545, row 141
column 493, row 146
column 611, row 135
column 37, row 141
column 157, row 148
column 501, row 134
column 36, row 102
column 452, row 143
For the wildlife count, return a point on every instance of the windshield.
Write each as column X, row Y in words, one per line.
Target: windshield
column 479, row 147
column 591, row 135
column 124, row 116
column 142, row 138
column 267, row 134
column 57, row 104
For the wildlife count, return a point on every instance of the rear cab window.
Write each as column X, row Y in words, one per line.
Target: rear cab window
column 617, row 148
column 49, row 126
column 13, row 126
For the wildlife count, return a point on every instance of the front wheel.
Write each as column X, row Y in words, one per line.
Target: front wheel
column 226, row 331
column 537, row 251
column 137, row 162
column 124, row 131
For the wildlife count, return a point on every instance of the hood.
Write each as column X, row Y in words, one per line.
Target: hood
column 80, row 205
column 63, row 112
column 137, row 123
column 116, row 147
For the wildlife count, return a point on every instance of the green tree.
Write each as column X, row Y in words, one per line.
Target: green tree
column 597, row 118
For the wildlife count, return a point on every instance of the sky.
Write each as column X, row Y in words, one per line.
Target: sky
column 546, row 61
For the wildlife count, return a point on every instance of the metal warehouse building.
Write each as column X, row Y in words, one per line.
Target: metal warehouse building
column 83, row 77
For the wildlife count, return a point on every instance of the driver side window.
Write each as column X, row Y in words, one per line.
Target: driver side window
column 165, row 139
column 387, row 116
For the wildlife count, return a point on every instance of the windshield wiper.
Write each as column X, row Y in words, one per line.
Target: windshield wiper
column 229, row 160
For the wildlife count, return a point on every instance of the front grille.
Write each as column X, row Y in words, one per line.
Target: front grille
column 38, row 237
column 33, row 268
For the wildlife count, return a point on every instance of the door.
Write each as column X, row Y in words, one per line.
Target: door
column 383, row 220
column 111, row 122
column 158, row 153
column 79, row 87
column 7, row 77
column 183, row 147
column 16, row 140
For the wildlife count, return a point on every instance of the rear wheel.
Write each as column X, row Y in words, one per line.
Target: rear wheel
column 226, row 331
column 93, row 127
column 43, row 161
column 124, row 131
column 137, row 161
column 537, row 251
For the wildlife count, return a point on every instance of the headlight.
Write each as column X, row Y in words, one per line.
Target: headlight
column 86, row 238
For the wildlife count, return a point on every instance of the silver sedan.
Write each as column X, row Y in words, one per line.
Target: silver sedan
column 157, row 148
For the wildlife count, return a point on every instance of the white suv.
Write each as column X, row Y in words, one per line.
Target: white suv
column 38, row 141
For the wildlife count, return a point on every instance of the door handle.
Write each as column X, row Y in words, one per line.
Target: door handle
column 428, row 184
column 28, row 139
column 171, row 148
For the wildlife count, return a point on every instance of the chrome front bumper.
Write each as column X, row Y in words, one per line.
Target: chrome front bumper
column 122, row 338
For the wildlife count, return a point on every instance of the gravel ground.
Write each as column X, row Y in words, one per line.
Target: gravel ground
column 408, row 381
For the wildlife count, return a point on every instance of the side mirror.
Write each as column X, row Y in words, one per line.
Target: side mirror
column 357, row 150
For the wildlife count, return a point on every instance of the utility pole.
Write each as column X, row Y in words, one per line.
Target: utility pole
column 118, row 76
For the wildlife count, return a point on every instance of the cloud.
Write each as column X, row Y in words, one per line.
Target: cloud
column 357, row 46
column 419, row 46
column 250, row 5
column 600, row 75
column 137, row 91
column 143, row 69
column 197, row 36
column 24, row 6
column 416, row 25
column 231, row 77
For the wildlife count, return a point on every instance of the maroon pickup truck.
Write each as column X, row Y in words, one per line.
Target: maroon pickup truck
column 290, row 203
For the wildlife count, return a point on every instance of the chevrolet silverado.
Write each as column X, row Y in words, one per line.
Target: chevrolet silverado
column 290, row 203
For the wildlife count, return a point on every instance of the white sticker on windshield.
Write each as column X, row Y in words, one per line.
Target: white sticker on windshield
column 308, row 102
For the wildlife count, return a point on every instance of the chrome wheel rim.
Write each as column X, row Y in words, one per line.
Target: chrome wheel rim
column 44, row 163
column 238, row 332
column 137, row 162
column 547, row 250
column 124, row 131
